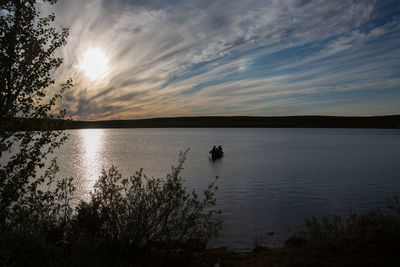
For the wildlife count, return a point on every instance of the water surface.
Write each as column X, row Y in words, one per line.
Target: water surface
column 269, row 179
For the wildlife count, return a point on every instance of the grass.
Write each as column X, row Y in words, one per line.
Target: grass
column 372, row 239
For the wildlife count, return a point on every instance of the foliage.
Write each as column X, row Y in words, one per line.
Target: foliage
column 378, row 229
column 327, row 230
column 134, row 215
column 30, row 197
column 27, row 46
column 136, row 220
column 263, row 241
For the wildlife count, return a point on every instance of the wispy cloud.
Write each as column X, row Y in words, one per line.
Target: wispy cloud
column 178, row 58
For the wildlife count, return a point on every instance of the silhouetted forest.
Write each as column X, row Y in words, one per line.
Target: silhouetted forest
column 387, row 122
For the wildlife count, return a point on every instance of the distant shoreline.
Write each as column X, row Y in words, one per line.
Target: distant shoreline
column 377, row 122
column 388, row 122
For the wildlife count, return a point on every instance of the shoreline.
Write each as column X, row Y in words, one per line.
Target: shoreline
column 372, row 122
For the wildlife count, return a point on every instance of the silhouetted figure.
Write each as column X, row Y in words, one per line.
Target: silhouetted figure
column 216, row 153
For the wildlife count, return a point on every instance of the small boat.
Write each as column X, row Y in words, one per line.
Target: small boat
column 216, row 153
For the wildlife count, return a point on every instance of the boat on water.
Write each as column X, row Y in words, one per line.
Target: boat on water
column 216, row 153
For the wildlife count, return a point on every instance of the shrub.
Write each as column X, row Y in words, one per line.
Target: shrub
column 377, row 230
column 136, row 215
column 128, row 221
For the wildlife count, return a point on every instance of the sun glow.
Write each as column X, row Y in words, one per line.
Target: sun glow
column 94, row 63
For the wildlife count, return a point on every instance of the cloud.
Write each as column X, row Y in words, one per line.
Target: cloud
column 176, row 58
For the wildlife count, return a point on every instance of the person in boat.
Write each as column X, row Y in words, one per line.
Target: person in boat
column 216, row 153
column 220, row 153
column 213, row 150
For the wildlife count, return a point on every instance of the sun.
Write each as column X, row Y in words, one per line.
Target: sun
column 94, row 63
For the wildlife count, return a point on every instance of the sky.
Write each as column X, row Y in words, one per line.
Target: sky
column 162, row 58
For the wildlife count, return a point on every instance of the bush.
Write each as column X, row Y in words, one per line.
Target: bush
column 377, row 230
column 136, row 215
column 128, row 221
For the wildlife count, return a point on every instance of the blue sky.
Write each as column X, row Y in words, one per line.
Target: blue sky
column 200, row 58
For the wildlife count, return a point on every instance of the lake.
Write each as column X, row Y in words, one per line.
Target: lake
column 270, row 179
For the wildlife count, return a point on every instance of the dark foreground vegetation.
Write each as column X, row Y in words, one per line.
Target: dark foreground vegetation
column 371, row 239
column 154, row 222
column 385, row 122
column 131, row 221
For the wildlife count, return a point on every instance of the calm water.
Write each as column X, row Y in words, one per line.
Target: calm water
column 269, row 179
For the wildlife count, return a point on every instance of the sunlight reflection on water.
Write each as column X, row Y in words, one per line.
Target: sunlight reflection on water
column 91, row 156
